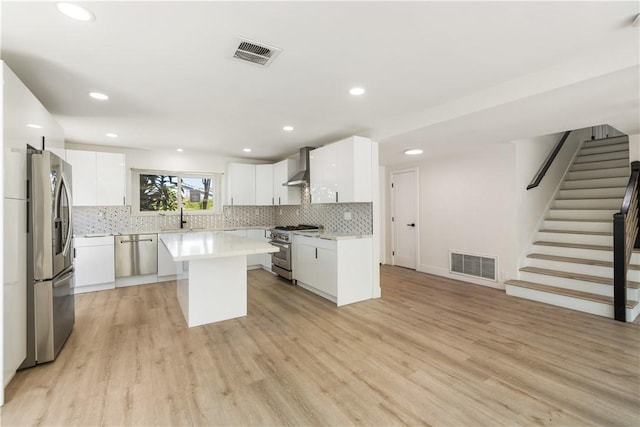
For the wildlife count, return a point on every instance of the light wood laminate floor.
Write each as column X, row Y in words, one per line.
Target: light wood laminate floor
column 431, row 351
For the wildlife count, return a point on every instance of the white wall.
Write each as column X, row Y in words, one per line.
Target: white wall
column 467, row 204
column 634, row 147
column 2, row 231
column 532, row 204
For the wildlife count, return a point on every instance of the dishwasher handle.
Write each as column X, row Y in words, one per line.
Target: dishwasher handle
column 136, row 241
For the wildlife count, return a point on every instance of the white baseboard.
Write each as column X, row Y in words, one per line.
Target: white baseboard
column 443, row 272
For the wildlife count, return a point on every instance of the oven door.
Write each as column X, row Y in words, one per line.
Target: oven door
column 282, row 258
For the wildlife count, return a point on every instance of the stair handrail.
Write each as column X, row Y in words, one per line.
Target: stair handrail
column 626, row 224
column 548, row 161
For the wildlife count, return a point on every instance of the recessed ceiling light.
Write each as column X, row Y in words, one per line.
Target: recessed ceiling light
column 33, row 126
column 413, row 152
column 111, row 135
column 76, row 12
column 179, row 150
column 356, row 91
column 98, row 95
column 287, row 128
column 246, row 150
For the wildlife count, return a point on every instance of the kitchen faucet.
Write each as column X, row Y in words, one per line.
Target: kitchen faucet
column 182, row 220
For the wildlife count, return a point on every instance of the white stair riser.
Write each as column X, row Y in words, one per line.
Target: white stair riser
column 605, row 142
column 592, row 307
column 596, row 183
column 582, row 213
column 585, row 151
column 632, row 313
column 588, row 204
column 588, row 193
column 600, row 309
column 604, row 227
column 563, row 282
column 591, row 270
column 600, row 173
column 607, row 164
column 613, row 155
column 582, row 239
column 573, row 252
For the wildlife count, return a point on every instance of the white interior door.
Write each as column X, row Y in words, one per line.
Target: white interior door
column 404, row 218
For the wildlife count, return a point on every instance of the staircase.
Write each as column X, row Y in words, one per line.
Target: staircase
column 571, row 261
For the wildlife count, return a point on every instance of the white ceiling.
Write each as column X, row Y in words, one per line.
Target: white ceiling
column 438, row 75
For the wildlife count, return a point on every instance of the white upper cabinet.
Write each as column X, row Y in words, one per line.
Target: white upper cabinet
column 342, row 172
column 22, row 108
column 282, row 194
column 110, row 179
column 264, row 185
column 261, row 185
column 241, row 184
column 98, row 178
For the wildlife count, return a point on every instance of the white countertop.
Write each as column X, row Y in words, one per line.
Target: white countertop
column 329, row 235
column 211, row 244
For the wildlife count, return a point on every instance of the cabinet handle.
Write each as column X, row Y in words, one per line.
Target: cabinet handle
column 279, row 201
column 273, row 202
column 232, row 201
column 337, row 197
column 316, row 253
column 124, row 202
column 310, row 198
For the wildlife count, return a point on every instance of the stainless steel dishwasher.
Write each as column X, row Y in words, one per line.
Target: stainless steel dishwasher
column 136, row 254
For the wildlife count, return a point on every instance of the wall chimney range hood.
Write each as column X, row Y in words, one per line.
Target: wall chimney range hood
column 301, row 178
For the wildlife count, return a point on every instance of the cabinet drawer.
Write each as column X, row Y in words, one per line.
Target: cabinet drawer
column 80, row 242
column 315, row 241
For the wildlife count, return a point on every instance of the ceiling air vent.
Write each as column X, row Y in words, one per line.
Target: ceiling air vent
column 258, row 53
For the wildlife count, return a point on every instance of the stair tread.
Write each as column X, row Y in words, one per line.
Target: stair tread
column 568, row 292
column 590, row 198
column 599, row 161
column 623, row 150
column 579, row 220
column 577, row 276
column 592, row 179
column 585, row 261
column 583, row 209
column 620, row 187
column 590, row 233
column 574, row 245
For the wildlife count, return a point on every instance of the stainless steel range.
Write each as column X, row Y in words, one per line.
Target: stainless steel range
column 281, row 237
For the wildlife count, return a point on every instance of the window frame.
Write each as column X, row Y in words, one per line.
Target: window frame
column 216, row 188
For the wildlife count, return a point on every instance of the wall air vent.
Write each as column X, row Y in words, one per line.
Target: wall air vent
column 255, row 52
column 482, row 267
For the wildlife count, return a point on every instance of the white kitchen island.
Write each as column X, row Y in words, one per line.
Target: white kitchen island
column 213, row 286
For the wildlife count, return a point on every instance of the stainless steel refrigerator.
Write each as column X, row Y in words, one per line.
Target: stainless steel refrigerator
column 50, row 281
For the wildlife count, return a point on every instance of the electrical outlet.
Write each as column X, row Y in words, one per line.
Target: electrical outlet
column 347, row 216
column 297, row 211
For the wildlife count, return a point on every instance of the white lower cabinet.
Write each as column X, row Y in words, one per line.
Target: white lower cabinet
column 94, row 263
column 167, row 267
column 339, row 270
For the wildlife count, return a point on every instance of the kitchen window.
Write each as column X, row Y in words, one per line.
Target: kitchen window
column 162, row 191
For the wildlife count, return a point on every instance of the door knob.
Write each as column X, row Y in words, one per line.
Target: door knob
column 413, row 224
